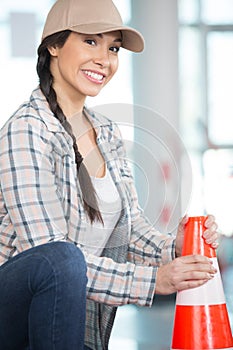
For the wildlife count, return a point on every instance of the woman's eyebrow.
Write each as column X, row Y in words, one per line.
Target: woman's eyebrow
column 117, row 40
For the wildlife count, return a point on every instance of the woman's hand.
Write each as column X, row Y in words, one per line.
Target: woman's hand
column 182, row 273
column 210, row 234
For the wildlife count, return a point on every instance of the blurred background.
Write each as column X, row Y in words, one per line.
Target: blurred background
column 174, row 104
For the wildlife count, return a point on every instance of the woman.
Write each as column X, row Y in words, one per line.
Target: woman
column 59, row 162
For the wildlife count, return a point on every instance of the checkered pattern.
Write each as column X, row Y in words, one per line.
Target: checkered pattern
column 40, row 202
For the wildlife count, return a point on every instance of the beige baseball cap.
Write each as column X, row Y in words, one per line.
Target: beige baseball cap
column 91, row 17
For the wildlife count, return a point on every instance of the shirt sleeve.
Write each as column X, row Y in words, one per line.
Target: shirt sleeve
column 118, row 284
column 29, row 188
column 147, row 245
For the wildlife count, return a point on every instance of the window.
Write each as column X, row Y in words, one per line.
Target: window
column 20, row 30
column 206, row 79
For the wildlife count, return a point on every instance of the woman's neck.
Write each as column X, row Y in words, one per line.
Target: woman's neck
column 70, row 102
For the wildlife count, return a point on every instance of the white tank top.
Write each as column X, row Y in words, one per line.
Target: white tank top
column 97, row 234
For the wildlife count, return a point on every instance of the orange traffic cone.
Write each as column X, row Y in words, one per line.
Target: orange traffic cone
column 201, row 320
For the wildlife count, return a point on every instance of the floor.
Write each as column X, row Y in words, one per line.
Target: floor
column 138, row 328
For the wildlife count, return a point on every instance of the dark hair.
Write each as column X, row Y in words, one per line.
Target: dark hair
column 46, row 85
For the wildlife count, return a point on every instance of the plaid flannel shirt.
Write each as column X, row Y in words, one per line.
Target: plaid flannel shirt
column 41, row 201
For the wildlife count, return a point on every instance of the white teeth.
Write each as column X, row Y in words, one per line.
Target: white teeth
column 94, row 75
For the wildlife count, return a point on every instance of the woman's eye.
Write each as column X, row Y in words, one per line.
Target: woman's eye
column 115, row 49
column 90, row 42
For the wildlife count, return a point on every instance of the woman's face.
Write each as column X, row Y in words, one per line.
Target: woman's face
column 86, row 63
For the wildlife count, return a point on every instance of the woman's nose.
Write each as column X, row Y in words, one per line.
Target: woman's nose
column 102, row 58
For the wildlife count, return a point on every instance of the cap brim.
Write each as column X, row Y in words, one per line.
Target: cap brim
column 131, row 39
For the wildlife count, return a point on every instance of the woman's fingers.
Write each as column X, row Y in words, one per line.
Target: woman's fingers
column 184, row 285
column 210, row 234
column 193, row 267
column 184, row 272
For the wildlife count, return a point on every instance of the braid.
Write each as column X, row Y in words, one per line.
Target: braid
column 46, row 85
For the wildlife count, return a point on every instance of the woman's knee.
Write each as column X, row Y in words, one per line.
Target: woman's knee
column 60, row 260
column 69, row 259
column 64, row 251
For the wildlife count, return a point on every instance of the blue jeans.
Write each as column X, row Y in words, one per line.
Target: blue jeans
column 43, row 299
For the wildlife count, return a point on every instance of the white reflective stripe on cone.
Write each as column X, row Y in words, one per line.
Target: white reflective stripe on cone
column 210, row 293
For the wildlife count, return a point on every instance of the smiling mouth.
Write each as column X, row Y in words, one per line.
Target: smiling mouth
column 94, row 76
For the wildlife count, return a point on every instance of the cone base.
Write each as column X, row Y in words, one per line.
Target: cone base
column 203, row 327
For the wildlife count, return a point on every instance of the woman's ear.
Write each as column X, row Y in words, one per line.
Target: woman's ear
column 52, row 50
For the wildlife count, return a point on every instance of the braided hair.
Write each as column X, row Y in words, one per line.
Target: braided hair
column 46, row 85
